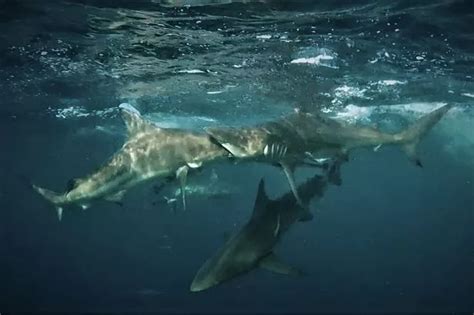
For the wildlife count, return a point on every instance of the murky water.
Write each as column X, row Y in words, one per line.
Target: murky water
column 392, row 237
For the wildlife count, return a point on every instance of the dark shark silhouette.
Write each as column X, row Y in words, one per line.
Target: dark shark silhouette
column 253, row 245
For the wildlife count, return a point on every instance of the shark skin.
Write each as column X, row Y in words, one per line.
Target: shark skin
column 150, row 152
column 293, row 140
column 253, row 245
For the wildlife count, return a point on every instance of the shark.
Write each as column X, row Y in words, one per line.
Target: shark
column 303, row 138
column 150, row 152
column 253, row 245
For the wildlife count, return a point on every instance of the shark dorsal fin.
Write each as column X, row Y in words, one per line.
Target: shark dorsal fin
column 261, row 200
column 133, row 119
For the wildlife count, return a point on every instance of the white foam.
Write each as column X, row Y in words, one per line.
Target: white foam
column 264, row 36
column 314, row 60
column 346, row 91
column 468, row 94
column 81, row 112
column 391, row 82
column 353, row 113
column 192, row 71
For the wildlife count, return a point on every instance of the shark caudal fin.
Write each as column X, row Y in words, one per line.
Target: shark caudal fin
column 410, row 137
column 52, row 197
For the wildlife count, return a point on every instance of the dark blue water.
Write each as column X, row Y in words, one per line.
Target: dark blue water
column 391, row 238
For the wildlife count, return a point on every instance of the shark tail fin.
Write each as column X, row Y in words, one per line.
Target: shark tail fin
column 53, row 197
column 410, row 137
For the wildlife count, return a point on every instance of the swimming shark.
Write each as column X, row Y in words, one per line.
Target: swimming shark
column 253, row 245
column 303, row 138
column 149, row 152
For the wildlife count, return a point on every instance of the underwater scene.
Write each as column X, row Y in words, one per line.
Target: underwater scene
column 224, row 156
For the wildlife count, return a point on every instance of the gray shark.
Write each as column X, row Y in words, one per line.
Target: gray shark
column 253, row 245
column 150, row 152
column 303, row 138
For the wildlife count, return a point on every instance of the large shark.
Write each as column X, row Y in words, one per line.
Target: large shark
column 149, row 152
column 302, row 137
column 253, row 245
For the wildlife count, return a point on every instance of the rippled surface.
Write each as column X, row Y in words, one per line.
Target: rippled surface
column 65, row 67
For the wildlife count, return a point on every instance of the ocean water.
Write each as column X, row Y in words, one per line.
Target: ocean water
column 392, row 238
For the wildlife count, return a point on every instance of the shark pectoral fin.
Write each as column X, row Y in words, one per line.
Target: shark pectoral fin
column 117, row 197
column 274, row 264
column 291, row 180
column 181, row 175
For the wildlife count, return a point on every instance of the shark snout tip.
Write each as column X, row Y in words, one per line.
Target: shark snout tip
column 195, row 288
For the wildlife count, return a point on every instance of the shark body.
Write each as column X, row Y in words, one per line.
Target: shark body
column 253, row 245
column 303, row 138
column 149, row 152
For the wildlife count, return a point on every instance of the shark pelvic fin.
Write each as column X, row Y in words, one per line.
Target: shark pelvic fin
column 272, row 263
column 181, row 175
column 133, row 119
column 261, row 200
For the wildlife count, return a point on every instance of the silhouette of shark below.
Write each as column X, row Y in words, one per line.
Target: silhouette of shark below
column 149, row 152
column 300, row 138
column 253, row 245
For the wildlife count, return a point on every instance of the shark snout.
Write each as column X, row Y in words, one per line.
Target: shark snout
column 200, row 285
